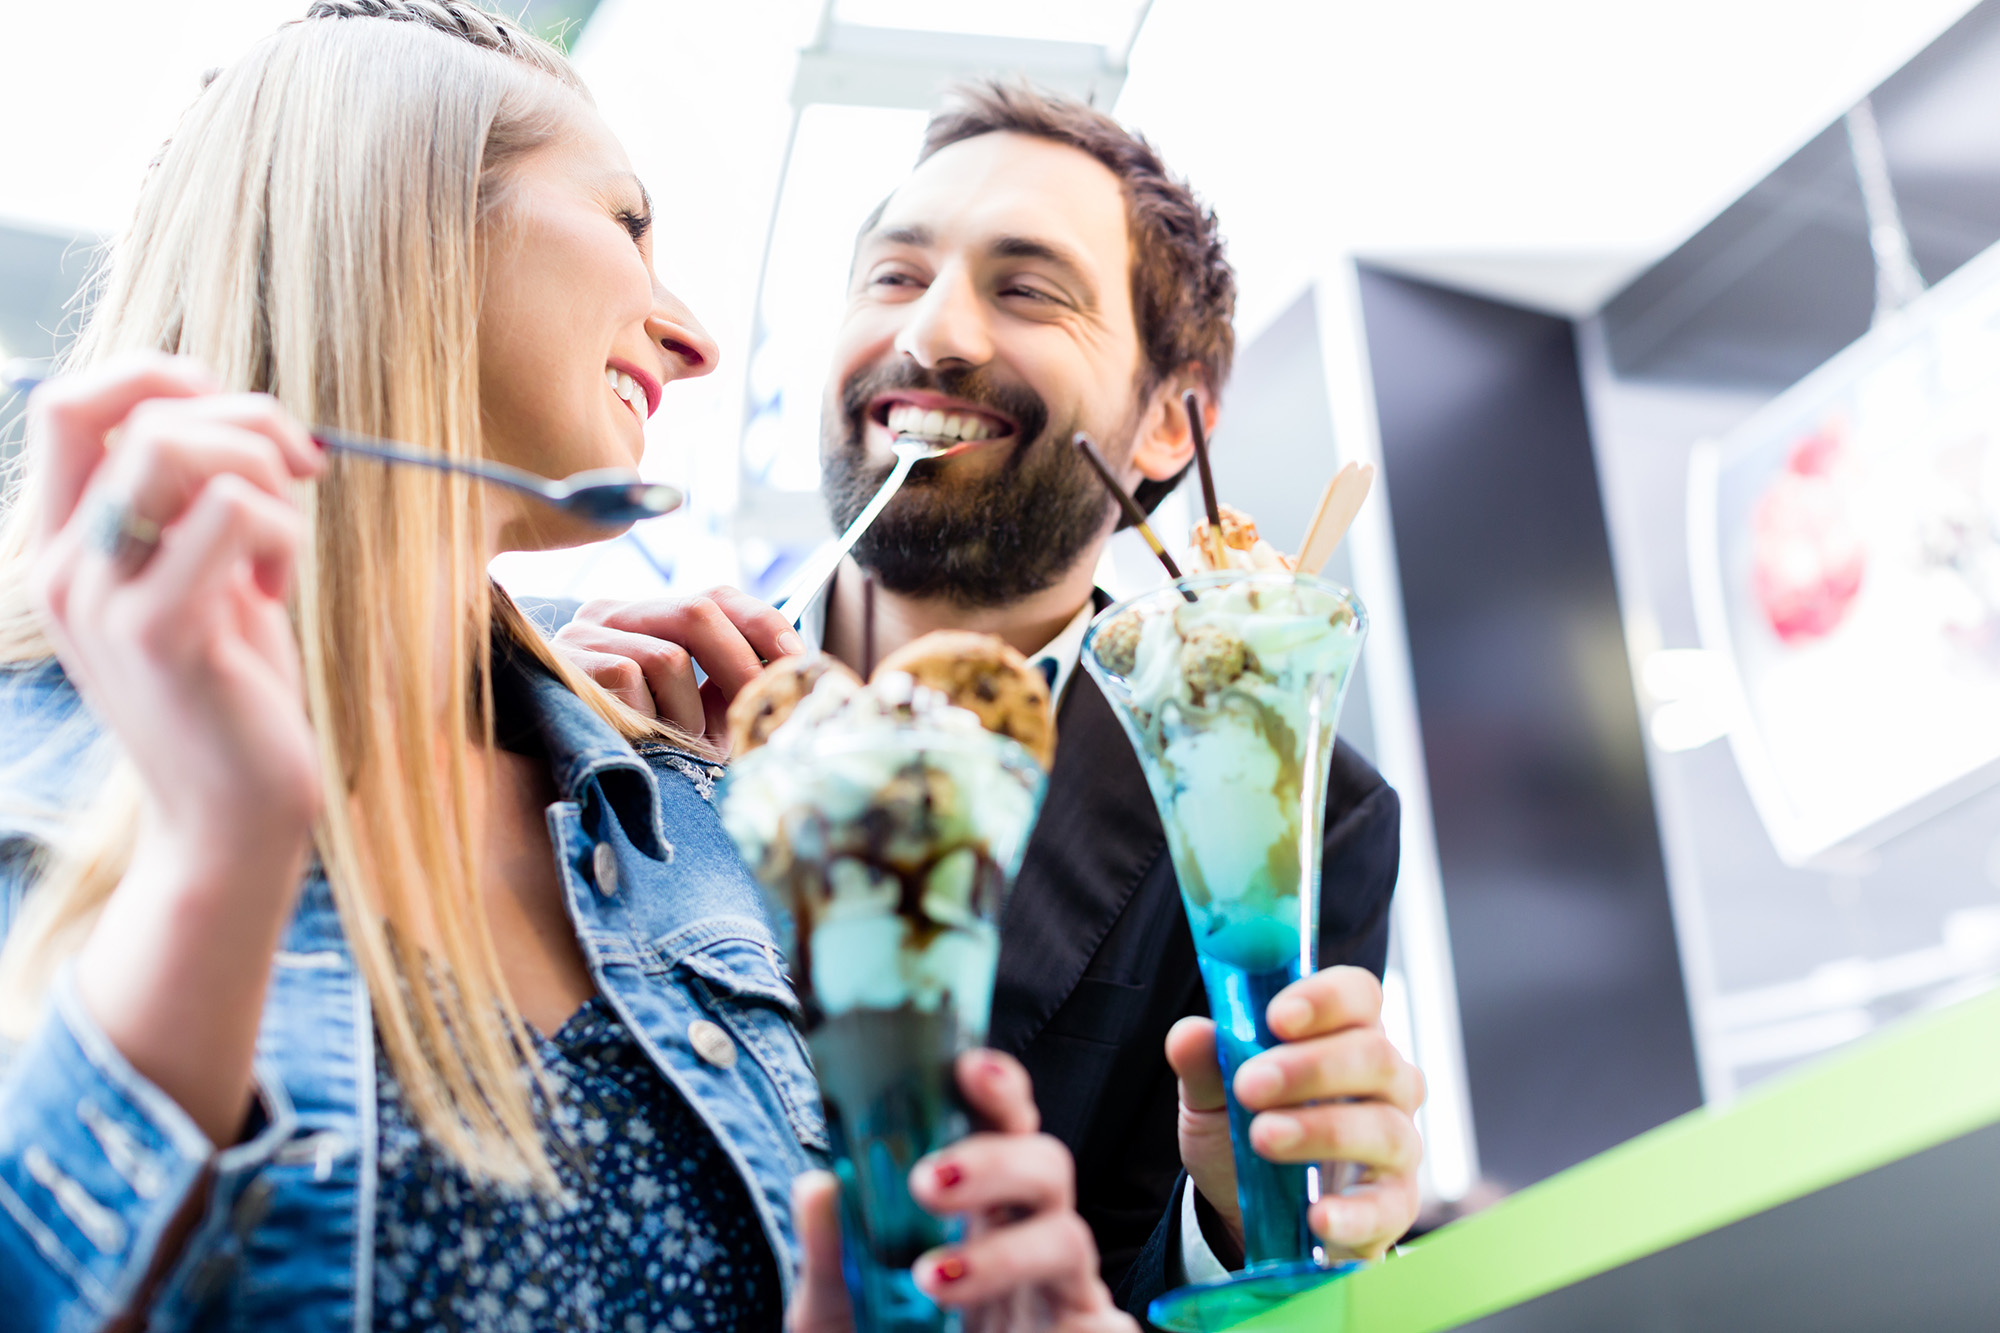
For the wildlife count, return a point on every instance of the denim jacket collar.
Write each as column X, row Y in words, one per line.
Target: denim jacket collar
column 588, row 758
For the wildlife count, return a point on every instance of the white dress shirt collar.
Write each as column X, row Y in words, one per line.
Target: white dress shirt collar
column 1056, row 659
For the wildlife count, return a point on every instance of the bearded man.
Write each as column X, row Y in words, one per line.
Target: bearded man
column 1040, row 273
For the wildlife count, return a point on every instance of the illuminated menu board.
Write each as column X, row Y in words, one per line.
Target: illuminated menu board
column 1845, row 552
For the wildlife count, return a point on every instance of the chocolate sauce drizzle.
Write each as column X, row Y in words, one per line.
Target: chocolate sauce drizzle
column 906, row 814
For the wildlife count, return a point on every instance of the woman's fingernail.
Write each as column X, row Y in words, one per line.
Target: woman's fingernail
column 1290, row 1013
column 947, row 1174
column 951, row 1268
column 790, row 644
column 1280, row 1131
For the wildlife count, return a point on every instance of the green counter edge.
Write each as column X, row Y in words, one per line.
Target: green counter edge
column 1928, row 1080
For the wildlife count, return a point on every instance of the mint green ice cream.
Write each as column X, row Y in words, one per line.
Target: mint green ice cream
column 1237, row 692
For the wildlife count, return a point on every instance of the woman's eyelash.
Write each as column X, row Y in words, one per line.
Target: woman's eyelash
column 636, row 223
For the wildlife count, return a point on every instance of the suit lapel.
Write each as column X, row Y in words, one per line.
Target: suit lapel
column 1098, row 836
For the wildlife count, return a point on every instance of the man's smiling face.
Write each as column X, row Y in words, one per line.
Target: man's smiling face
column 989, row 310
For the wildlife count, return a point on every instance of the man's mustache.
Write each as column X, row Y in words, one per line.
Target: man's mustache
column 1016, row 402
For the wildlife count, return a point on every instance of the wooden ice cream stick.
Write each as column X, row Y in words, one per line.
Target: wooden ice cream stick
column 1337, row 509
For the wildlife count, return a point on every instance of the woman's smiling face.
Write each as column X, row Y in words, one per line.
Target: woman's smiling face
column 577, row 337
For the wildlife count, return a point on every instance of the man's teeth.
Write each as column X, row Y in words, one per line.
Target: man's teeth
column 627, row 388
column 935, row 425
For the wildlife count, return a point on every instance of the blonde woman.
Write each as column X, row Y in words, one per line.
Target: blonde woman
column 365, row 965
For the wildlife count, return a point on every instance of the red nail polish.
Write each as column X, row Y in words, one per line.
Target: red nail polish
column 948, row 1174
column 950, row 1269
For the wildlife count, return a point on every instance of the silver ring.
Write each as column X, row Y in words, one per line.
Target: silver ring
column 128, row 538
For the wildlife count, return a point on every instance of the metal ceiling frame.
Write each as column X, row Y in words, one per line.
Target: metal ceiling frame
column 849, row 64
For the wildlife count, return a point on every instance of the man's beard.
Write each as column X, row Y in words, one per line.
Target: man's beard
column 982, row 541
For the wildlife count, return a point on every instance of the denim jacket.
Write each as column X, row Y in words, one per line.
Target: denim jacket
column 95, row 1161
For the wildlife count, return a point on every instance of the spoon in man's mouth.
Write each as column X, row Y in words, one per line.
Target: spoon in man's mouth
column 602, row 497
column 910, row 450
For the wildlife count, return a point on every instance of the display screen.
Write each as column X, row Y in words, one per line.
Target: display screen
column 1845, row 545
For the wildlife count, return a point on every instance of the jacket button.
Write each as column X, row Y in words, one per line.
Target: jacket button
column 604, row 865
column 711, row 1043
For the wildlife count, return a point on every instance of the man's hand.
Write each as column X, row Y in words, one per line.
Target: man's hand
column 1028, row 1260
column 1336, row 1090
column 646, row 653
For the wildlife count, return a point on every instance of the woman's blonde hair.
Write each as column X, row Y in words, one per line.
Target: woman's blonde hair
column 314, row 231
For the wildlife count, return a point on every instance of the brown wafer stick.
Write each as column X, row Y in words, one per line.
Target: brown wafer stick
column 1210, row 504
column 1129, row 505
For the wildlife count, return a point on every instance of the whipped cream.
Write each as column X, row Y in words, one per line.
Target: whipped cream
column 1236, row 546
column 887, row 823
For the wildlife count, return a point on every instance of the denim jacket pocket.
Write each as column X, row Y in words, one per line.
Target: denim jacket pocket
column 740, row 982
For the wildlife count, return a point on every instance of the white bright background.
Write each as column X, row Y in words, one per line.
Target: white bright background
column 1543, row 150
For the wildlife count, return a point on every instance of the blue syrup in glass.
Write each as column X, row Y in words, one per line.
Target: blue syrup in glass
column 886, row 1081
column 1272, row 1196
column 877, row 1270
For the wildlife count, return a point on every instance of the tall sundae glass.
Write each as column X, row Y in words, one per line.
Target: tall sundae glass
column 886, row 826
column 1230, row 684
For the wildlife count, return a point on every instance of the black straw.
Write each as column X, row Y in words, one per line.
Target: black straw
column 867, row 624
column 1193, row 405
column 1129, row 505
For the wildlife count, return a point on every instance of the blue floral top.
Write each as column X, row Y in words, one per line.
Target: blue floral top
column 654, row 1230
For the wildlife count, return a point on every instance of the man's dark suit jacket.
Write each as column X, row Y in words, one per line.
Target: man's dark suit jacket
column 1097, row 962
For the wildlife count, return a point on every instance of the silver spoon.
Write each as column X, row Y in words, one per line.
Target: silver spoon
column 602, row 496
column 812, row 576
column 605, row 496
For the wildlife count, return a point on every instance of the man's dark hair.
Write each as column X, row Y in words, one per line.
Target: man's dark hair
column 1183, row 290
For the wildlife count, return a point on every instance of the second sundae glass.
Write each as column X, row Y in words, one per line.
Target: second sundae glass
column 888, row 842
column 1230, row 684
